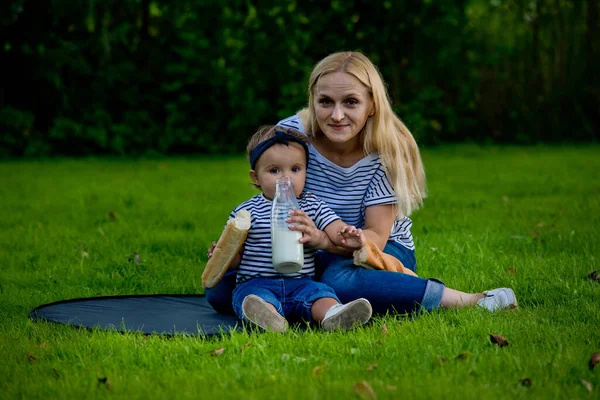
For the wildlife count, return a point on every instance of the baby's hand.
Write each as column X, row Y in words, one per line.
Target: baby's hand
column 352, row 237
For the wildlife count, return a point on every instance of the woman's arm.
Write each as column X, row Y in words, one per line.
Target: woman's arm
column 379, row 221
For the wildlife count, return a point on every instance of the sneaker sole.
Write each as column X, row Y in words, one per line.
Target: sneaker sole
column 260, row 313
column 357, row 313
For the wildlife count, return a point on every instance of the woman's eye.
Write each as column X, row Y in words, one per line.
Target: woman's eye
column 324, row 101
column 352, row 102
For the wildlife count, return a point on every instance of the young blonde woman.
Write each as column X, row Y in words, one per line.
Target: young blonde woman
column 365, row 164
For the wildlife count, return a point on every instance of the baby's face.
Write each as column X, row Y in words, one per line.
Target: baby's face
column 278, row 161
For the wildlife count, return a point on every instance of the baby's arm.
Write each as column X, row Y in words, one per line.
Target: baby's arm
column 347, row 236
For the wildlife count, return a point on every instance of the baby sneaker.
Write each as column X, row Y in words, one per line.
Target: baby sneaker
column 498, row 299
column 347, row 316
column 262, row 314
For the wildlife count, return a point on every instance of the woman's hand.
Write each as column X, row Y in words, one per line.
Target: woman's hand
column 352, row 237
column 311, row 235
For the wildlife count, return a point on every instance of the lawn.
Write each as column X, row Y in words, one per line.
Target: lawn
column 520, row 217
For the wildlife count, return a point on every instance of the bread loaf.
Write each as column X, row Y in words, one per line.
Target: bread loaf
column 227, row 248
column 369, row 256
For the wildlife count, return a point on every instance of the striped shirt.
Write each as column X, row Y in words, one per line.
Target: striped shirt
column 257, row 258
column 349, row 191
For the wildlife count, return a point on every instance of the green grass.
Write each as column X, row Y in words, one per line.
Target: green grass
column 522, row 217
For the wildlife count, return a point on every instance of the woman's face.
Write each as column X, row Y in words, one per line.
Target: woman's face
column 342, row 106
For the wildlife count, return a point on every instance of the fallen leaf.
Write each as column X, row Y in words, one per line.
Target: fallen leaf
column 384, row 330
column 595, row 360
column 390, row 387
column 587, row 385
column 31, row 357
column 526, row 382
column 112, row 216
column 245, row 346
column 218, row 352
column 379, row 342
column 318, row 369
column 594, row 276
column 364, row 390
column 463, row 356
column 499, row 340
column 371, row 367
column 105, row 381
column 511, row 271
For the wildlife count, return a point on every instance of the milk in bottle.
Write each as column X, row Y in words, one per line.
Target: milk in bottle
column 288, row 253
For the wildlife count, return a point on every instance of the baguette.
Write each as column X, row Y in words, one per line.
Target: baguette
column 227, row 248
column 369, row 256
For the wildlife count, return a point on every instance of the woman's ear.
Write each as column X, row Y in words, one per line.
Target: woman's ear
column 254, row 177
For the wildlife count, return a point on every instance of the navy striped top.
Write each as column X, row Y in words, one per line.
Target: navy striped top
column 349, row 191
column 257, row 257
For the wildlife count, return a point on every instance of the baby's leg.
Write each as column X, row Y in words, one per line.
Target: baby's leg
column 321, row 304
column 256, row 302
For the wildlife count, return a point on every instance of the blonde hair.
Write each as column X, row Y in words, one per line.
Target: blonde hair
column 383, row 132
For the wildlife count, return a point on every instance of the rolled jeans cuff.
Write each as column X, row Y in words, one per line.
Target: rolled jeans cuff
column 434, row 290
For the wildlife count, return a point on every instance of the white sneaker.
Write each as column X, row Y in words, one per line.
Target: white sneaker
column 347, row 316
column 262, row 314
column 498, row 299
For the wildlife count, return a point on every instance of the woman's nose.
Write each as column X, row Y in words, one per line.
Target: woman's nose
column 338, row 113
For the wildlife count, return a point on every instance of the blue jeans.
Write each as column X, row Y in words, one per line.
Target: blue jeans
column 386, row 291
column 291, row 297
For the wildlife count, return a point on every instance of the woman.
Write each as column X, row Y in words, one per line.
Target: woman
column 365, row 164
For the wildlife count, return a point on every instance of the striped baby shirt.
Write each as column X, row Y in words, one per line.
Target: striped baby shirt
column 257, row 257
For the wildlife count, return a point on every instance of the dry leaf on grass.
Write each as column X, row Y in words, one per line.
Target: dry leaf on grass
column 595, row 360
column 526, row 382
column 499, row 340
column 318, row 369
column 105, row 381
column 112, row 216
column 364, row 390
column 371, row 367
column 463, row 356
column 587, row 385
column 384, row 330
column 440, row 360
column 594, row 276
column 511, row 271
column 31, row 357
column 217, row 352
column 245, row 346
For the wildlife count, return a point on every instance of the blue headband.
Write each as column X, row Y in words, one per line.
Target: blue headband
column 279, row 138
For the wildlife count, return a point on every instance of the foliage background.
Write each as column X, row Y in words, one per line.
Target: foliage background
column 199, row 76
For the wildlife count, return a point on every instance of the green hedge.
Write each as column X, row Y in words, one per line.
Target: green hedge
column 140, row 76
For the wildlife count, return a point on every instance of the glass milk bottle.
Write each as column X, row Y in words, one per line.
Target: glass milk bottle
column 288, row 253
